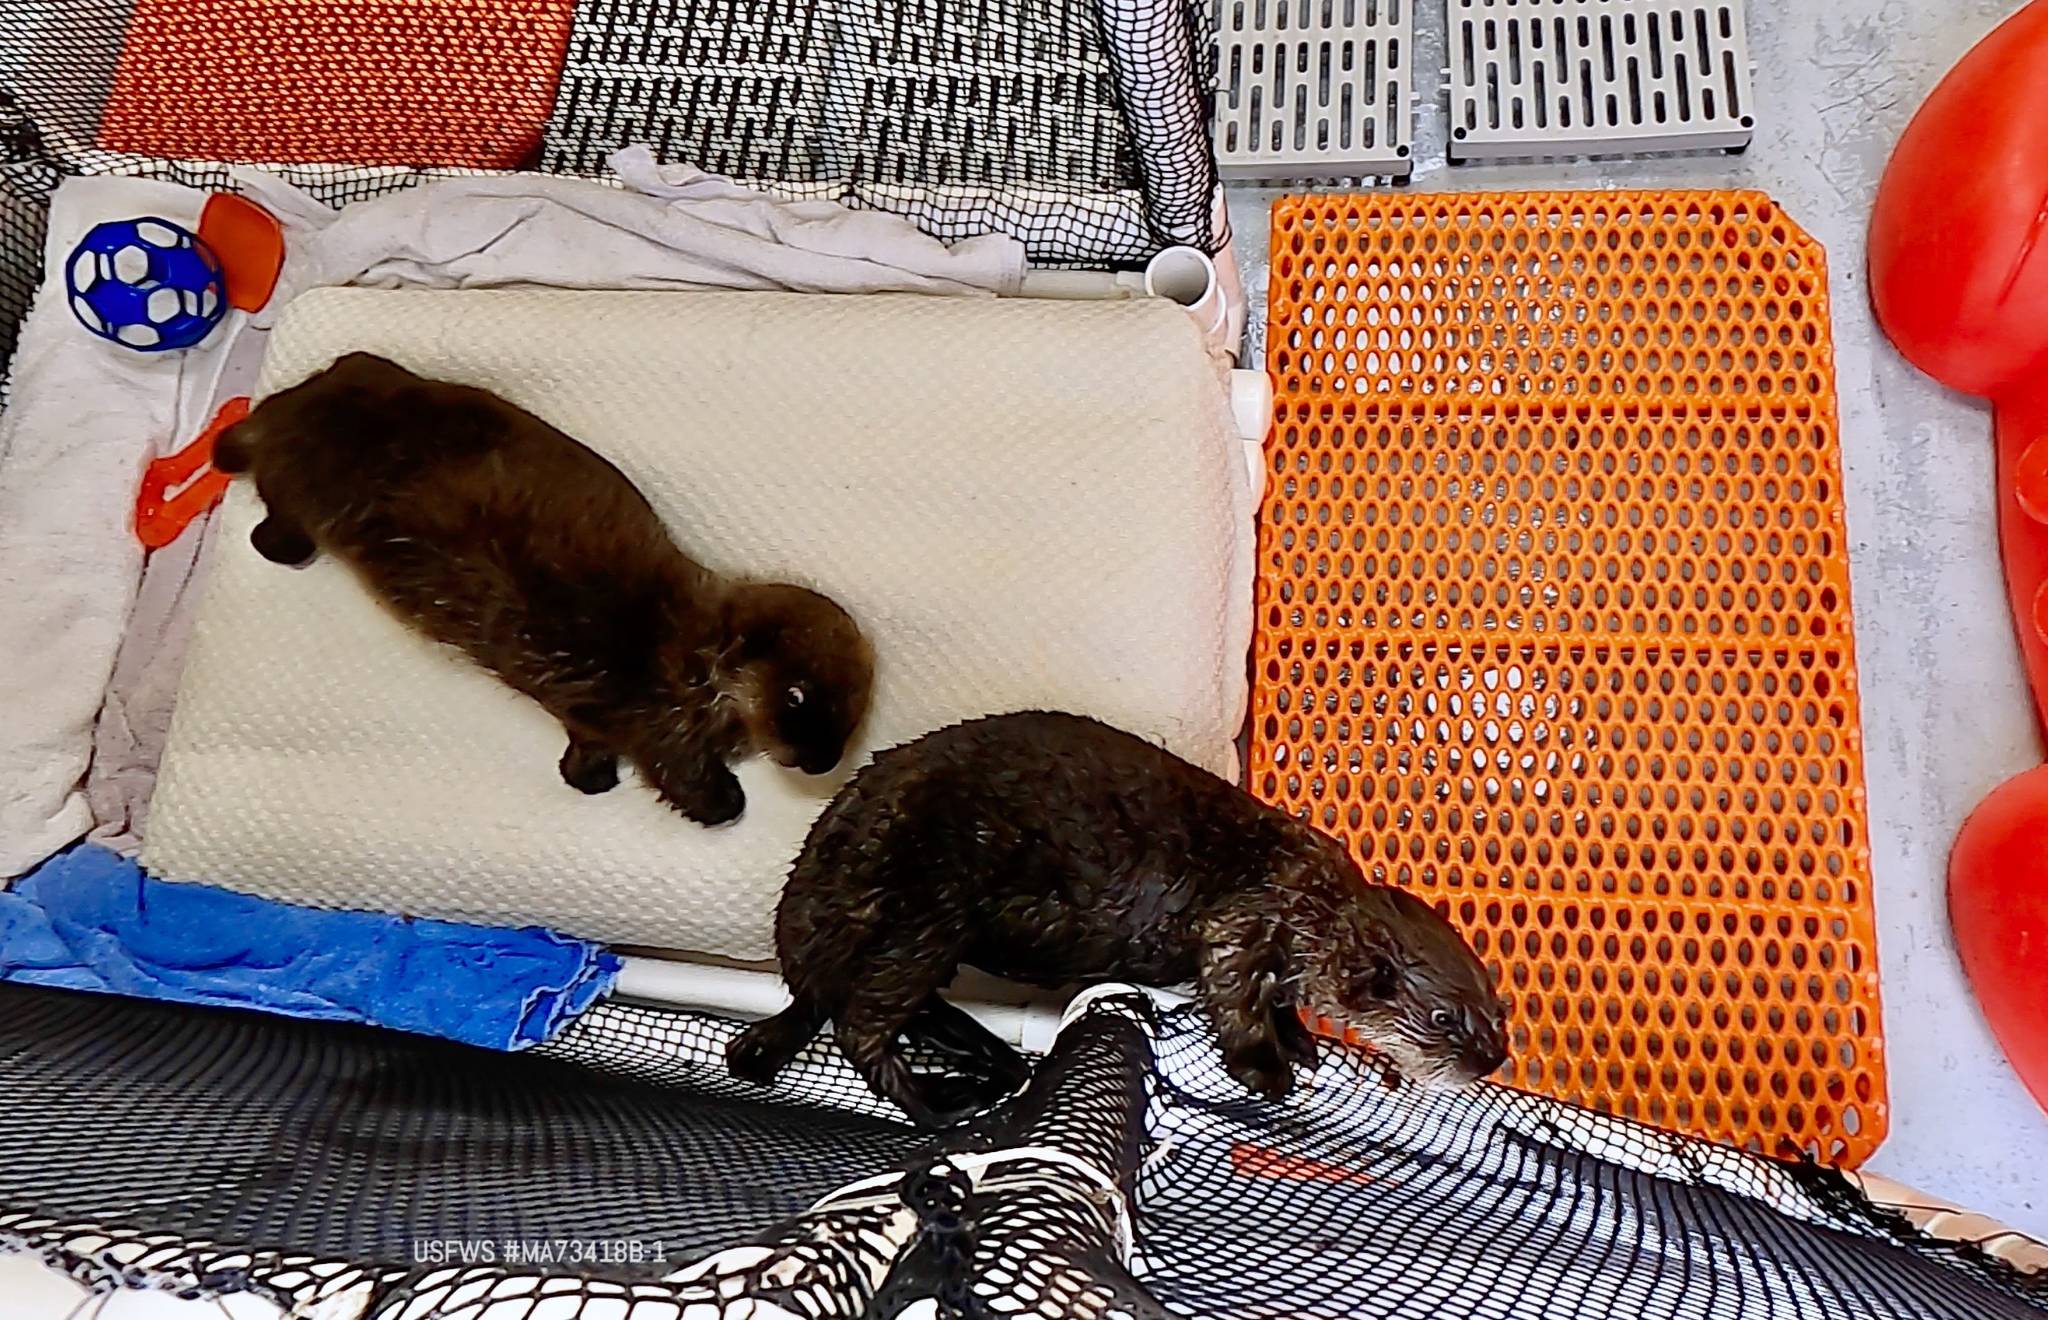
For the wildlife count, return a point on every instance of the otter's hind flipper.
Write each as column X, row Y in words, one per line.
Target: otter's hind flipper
column 763, row 1050
column 942, row 1101
column 930, row 1100
column 954, row 1035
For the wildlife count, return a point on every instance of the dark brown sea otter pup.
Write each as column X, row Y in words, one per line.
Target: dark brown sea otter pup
column 1052, row 849
column 492, row 532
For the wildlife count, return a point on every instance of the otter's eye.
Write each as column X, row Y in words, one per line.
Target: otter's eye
column 794, row 697
column 1442, row 1019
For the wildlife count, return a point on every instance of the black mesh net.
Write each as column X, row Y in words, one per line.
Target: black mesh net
column 212, row 1152
column 1079, row 126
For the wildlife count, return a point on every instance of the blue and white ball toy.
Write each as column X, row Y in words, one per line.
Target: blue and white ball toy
column 147, row 284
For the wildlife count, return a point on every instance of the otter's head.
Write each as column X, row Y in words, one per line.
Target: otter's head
column 1386, row 965
column 801, row 673
column 351, row 396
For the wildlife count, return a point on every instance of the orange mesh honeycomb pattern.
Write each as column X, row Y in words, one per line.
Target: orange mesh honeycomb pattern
column 368, row 82
column 1554, row 629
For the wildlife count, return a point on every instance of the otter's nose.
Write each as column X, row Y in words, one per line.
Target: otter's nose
column 818, row 763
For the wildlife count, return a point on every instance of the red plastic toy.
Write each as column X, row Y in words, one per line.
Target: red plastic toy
column 250, row 243
column 160, row 516
column 1959, row 274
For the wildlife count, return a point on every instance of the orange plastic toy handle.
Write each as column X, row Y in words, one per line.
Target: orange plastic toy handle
column 160, row 516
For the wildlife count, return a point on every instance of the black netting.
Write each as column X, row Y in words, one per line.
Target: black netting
column 1496, row 1203
column 214, row 1151
column 1080, row 126
column 28, row 175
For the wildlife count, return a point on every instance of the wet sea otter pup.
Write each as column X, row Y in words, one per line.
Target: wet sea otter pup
column 494, row 533
column 1051, row 849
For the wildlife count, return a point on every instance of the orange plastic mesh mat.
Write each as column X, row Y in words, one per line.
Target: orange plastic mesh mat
column 367, row 82
column 1554, row 629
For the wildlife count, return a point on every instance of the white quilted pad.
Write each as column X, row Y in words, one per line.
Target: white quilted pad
column 1026, row 504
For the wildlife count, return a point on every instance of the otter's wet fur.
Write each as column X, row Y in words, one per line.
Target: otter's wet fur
column 1052, row 849
column 492, row 532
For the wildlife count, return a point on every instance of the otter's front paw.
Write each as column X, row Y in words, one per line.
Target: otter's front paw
column 1261, row 1070
column 715, row 801
column 1297, row 1043
column 589, row 769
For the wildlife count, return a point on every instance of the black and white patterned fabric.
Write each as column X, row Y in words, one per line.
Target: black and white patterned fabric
column 1076, row 125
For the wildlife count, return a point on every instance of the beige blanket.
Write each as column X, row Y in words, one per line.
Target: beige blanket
column 1027, row 504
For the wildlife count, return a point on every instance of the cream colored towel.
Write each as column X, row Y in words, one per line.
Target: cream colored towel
column 1026, row 504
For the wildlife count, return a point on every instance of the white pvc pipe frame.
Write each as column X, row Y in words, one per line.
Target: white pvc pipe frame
column 744, row 992
column 1213, row 295
column 1188, row 277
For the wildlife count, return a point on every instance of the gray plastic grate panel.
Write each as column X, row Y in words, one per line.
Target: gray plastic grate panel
column 1310, row 89
column 1597, row 77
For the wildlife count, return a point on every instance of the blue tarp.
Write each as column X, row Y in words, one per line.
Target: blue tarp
column 89, row 919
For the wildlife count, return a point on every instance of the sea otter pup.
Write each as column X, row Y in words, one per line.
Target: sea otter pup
column 1052, row 848
column 494, row 533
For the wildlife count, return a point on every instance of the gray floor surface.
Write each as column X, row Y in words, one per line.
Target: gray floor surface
column 1946, row 715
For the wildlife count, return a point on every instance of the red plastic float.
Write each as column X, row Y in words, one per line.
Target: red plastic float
column 1959, row 275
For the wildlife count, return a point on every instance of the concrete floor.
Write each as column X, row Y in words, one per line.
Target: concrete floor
column 1945, row 707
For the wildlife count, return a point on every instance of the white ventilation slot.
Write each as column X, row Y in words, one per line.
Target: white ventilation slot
column 1596, row 77
column 1313, row 88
